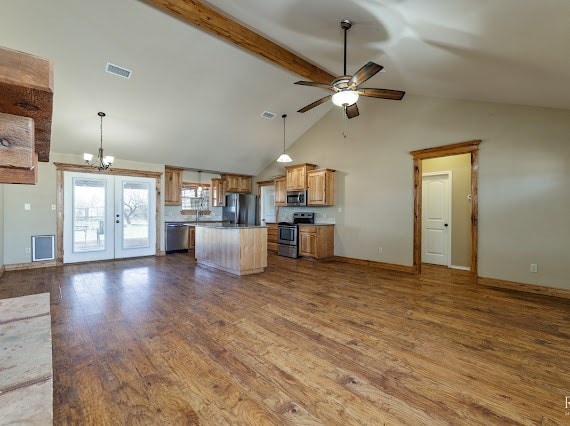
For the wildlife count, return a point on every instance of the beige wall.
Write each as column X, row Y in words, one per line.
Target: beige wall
column 20, row 225
column 1, row 225
column 460, row 167
column 524, row 201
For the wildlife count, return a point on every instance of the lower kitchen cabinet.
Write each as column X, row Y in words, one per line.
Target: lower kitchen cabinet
column 316, row 241
column 272, row 232
column 191, row 237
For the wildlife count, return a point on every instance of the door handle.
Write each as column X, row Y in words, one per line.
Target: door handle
column 446, row 225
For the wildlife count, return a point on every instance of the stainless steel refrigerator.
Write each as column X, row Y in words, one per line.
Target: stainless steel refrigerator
column 241, row 209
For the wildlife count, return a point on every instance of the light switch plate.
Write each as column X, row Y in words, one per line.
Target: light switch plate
column 27, row 206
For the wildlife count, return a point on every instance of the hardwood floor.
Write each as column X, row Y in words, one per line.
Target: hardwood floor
column 163, row 341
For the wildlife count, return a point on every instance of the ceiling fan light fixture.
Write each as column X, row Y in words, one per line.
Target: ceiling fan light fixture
column 345, row 98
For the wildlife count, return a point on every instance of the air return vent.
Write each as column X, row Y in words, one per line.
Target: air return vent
column 43, row 247
column 268, row 115
column 117, row 70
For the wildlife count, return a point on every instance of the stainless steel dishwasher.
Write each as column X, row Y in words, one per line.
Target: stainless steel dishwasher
column 176, row 237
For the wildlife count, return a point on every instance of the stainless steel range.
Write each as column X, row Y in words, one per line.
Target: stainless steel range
column 288, row 236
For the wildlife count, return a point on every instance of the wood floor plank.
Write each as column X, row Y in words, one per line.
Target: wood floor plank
column 165, row 341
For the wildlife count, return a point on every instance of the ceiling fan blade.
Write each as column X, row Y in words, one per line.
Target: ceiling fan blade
column 314, row 104
column 314, row 84
column 364, row 73
column 396, row 95
column 352, row 111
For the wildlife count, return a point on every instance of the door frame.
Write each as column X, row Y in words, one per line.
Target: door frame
column 449, row 196
column 469, row 147
column 65, row 167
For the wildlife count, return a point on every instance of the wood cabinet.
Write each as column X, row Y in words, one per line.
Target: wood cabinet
column 191, row 237
column 218, row 193
column 281, row 191
column 272, row 233
column 316, row 241
column 297, row 176
column 173, row 187
column 321, row 187
column 237, row 183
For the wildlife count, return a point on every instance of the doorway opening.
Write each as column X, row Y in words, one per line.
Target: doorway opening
column 441, row 238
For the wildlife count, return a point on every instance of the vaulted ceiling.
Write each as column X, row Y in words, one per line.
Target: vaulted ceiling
column 195, row 100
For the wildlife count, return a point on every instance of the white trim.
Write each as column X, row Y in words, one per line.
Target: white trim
column 449, row 174
column 463, row 268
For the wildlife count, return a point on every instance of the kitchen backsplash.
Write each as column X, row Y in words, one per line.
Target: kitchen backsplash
column 285, row 214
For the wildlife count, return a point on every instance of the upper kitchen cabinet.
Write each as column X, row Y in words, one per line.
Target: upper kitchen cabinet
column 238, row 183
column 173, row 186
column 297, row 176
column 281, row 191
column 321, row 187
column 218, row 193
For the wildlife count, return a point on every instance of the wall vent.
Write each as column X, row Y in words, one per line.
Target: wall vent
column 117, row 70
column 268, row 115
column 43, row 247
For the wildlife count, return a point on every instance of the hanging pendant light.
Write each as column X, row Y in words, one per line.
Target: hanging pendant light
column 103, row 162
column 284, row 158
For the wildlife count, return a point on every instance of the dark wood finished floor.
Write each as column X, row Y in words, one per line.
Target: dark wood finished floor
column 163, row 341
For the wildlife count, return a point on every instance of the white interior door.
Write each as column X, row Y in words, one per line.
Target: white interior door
column 107, row 217
column 436, row 214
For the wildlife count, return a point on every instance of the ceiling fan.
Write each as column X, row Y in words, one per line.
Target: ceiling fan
column 346, row 87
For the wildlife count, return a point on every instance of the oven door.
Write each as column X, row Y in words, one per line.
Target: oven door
column 287, row 235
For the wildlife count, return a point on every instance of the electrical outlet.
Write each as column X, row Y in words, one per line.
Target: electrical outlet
column 28, row 250
column 380, row 250
column 533, row 267
column 340, row 209
column 53, row 207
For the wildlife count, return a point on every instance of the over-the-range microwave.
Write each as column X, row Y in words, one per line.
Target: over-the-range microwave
column 297, row 198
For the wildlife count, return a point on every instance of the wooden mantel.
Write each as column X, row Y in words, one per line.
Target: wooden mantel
column 26, row 90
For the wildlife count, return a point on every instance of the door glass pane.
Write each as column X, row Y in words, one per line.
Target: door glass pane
column 136, row 229
column 88, row 214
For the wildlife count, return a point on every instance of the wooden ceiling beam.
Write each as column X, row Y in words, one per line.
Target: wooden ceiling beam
column 204, row 17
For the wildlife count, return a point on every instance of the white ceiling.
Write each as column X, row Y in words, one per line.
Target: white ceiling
column 195, row 101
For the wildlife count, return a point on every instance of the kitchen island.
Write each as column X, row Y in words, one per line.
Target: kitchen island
column 238, row 249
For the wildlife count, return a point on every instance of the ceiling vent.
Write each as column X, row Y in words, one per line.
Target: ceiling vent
column 117, row 70
column 268, row 115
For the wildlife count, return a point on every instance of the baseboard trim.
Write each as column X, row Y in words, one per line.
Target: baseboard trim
column 461, row 268
column 2, row 270
column 30, row 265
column 528, row 288
column 375, row 264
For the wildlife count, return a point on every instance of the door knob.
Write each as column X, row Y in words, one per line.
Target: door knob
column 118, row 222
column 117, row 215
column 446, row 225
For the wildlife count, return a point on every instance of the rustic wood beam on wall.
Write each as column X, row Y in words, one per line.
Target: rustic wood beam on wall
column 26, row 90
column 204, row 17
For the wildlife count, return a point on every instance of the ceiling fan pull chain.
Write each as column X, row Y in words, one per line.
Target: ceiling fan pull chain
column 344, row 134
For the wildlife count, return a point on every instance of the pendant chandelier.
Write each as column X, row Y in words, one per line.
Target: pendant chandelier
column 284, row 158
column 103, row 162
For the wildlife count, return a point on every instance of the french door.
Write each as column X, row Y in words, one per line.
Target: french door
column 107, row 217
